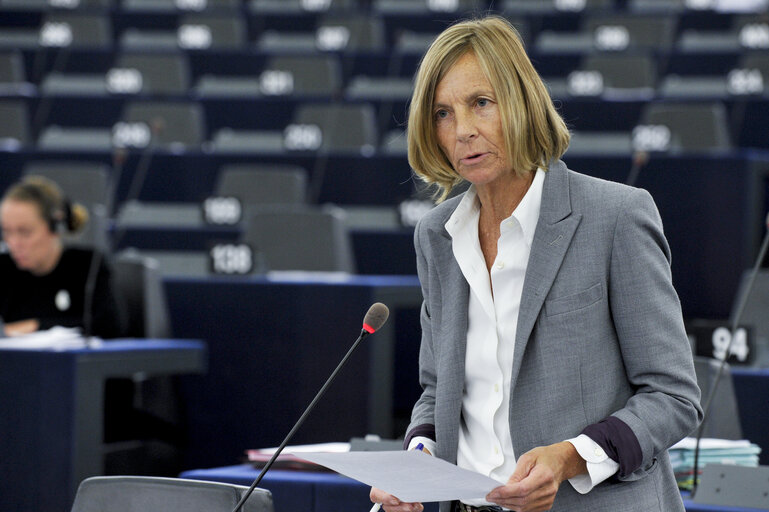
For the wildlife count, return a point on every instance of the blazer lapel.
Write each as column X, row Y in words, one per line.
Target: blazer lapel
column 455, row 294
column 555, row 229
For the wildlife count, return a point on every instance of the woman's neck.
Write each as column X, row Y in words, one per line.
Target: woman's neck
column 499, row 200
column 47, row 266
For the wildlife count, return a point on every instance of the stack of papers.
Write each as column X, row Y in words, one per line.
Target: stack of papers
column 412, row 476
column 712, row 451
column 55, row 338
column 288, row 460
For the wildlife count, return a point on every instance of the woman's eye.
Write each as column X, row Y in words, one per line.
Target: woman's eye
column 482, row 102
column 441, row 114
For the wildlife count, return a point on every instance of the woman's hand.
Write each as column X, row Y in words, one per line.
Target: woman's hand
column 537, row 477
column 22, row 327
column 392, row 504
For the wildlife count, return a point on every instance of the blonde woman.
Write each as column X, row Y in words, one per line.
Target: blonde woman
column 553, row 357
column 43, row 282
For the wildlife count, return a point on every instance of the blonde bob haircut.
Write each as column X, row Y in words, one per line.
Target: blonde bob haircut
column 533, row 131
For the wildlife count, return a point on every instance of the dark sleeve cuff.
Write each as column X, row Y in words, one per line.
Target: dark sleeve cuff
column 423, row 430
column 618, row 441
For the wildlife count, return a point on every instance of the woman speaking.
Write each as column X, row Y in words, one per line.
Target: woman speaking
column 553, row 357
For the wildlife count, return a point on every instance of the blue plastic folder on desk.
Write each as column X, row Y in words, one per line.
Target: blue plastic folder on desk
column 412, row 476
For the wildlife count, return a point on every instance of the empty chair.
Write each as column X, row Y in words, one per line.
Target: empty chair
column 624, row 74
column 150, row 494
column 139, row 284
column 427, row 6
column 631, row 32
column 74, row 84
column 353, row 33
column 757, row 61
column 214, row 30
column 14, row 124
column 157, row 73
column 257, row 142
column 754, row 313
column 675, row 6
column 228, row 86
column 723, row 421
column 746, row 32
column 211, row 32
column 68, row 138
column 180, row 263
column 285, row 75
column 689, row 126
column 752, row 30
column 549, row 6
column 379, row 88
column 275, row 41
column 133, row 73
column 333, row 33
column 599, row 144
column 172, row 125
column 300, row 6
column 45, row 5
column 87, row 183
column 343, row 127
column 139, row 214
column 263, row 184
column 413, row 43
column 13, row 77
column 76, row 30
column 300, row 238
column 140, row 39
column 168, row 6
column 708, row 41
column 611, row 33
column 317, row 75
column 696, row 87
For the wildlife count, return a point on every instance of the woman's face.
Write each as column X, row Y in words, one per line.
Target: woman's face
column 468, row 123
column 30, row 241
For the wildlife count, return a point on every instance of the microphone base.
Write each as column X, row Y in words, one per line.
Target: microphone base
column 734, row 486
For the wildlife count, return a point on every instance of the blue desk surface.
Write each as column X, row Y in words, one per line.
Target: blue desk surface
column 118, row 346
column 52, row 422
column 327, row 492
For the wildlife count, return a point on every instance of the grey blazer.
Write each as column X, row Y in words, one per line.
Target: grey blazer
column 600, row 333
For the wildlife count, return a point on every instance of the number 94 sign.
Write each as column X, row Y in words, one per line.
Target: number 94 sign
column 712, row 339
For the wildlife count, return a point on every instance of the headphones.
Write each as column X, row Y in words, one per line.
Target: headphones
column 54, row 215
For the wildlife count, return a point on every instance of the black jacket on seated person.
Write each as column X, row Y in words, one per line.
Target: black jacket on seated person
column 58, row 297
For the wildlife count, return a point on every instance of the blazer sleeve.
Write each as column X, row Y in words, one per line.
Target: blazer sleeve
column 422, row 415
column 655, row 349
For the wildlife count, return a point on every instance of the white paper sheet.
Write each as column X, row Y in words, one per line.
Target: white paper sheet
column 412, row 476
column 55, row 338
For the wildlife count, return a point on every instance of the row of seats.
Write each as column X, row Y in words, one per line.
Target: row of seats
column 292, row 7
column 352, row 128
column 321, row 76
column 611, row 31
column 266, row 202
column 384, row 6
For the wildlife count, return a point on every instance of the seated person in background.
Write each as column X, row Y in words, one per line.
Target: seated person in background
column 43, row 282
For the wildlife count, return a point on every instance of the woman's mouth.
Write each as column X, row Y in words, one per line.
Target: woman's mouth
column 472, row 159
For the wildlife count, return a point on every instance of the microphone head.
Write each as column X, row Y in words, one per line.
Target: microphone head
column 375, row 317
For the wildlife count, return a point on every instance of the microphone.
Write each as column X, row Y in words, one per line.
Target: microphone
column 640, row 159
column 119, row 157
column 736, row 321
column 375, row 318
